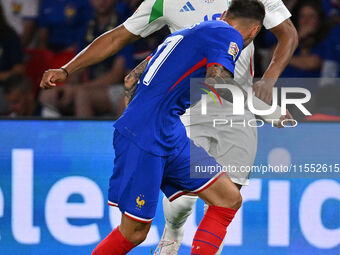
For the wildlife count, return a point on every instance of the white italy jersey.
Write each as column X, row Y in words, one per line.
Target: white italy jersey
column 152, row 15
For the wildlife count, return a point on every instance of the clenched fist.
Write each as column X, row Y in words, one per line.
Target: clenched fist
column 52, row 76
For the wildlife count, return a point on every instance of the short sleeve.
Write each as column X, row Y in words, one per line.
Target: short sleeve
column 276, row 13
column 30, row 9
column 147, row 19
column 224, row 48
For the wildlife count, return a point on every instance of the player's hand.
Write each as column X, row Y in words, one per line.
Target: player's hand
column 52, row 76
column 264, row 90
column 288, row 117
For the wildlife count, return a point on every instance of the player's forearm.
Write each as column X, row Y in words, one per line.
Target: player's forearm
column 131, row 80
column 286, row 46
column 103, row 47
column 217, row 74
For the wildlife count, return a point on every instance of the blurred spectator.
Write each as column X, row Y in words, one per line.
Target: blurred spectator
column 21, row 16
column 327, row 104
column 332, row 9
column 62, row 23
column 99, row 93
column 10, row 51
column 133, row 4
column 308, row 58
column 20, row 97
column 332, row 57
column 290, row 4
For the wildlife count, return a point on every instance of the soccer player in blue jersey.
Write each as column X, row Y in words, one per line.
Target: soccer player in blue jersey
column 152, row 148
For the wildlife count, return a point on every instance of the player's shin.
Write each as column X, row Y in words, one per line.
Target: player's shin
column 212, row 230
column 222, row 244
column 176, row 214
column 114, row 243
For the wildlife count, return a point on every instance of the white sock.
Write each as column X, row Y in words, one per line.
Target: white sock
column 176, row 214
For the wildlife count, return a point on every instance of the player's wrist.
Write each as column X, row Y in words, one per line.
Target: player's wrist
column 65, row 71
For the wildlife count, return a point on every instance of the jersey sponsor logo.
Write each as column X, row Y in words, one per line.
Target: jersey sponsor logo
column 233, row 50
column 140, row 201
column 187, row 7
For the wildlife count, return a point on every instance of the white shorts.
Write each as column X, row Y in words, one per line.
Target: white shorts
column 234, row 147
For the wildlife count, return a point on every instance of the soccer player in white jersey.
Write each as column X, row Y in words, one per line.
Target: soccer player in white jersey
column 229, row 146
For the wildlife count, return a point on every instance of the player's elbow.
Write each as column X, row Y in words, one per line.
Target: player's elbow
column 287, row 35
column 294, row 39
column 291, row 36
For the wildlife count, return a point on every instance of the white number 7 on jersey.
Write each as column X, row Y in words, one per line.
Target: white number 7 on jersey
column 165, row 50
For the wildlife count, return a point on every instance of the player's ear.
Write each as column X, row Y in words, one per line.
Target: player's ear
column 255, row 30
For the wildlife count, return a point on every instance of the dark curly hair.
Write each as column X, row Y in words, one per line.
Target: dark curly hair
column 251, row 9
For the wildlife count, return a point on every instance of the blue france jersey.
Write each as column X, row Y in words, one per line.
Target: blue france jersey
column 152, row 119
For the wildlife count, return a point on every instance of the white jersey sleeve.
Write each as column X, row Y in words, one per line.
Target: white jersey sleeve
column 148, row 18
column 276, row 13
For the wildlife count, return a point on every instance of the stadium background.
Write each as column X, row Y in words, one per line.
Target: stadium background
column 54, row 177
column 55, row 203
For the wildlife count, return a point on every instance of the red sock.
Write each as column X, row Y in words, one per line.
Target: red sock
column 212, row 230
column 114, row 244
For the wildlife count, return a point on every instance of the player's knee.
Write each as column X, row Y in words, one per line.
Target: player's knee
column 139, row 236
column 233, row 199
column 236, row 200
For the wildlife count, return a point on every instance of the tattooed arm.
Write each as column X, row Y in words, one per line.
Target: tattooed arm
column 131, row 80
column 217, row 74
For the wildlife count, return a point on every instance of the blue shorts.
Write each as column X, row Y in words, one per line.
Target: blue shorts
column 138, row 176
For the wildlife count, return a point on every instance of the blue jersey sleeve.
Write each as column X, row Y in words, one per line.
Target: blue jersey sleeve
column 223, row 47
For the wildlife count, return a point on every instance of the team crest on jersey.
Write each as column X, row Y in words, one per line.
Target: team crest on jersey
column 209, row 1
column 233, row 50
column 140, row 201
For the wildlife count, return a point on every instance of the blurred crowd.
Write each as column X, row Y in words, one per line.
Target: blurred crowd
column 38, row 35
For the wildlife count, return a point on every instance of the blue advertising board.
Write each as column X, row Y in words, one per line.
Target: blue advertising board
column 54, row 179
